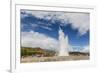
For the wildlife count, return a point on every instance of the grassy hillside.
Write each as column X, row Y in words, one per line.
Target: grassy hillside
column 27, row 51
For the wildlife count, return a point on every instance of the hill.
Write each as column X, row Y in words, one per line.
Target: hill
column 38, row 52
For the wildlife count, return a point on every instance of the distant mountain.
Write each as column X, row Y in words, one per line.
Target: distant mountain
column 79, row 53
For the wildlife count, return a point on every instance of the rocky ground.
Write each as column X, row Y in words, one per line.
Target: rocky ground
column 30, row 59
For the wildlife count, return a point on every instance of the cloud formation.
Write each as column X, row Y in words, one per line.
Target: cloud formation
column 35, row 39
column 79, row 21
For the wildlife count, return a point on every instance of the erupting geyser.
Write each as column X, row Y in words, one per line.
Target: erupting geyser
column 63, row 44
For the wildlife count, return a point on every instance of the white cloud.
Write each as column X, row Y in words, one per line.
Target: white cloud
column 80, row 21
column 86, row 49
column 45, row 27
column 35, row 39
column 38, row 14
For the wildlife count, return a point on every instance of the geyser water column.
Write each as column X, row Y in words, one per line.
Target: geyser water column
column 63, row 44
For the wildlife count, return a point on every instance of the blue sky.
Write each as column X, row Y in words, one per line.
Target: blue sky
column 75, row 25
